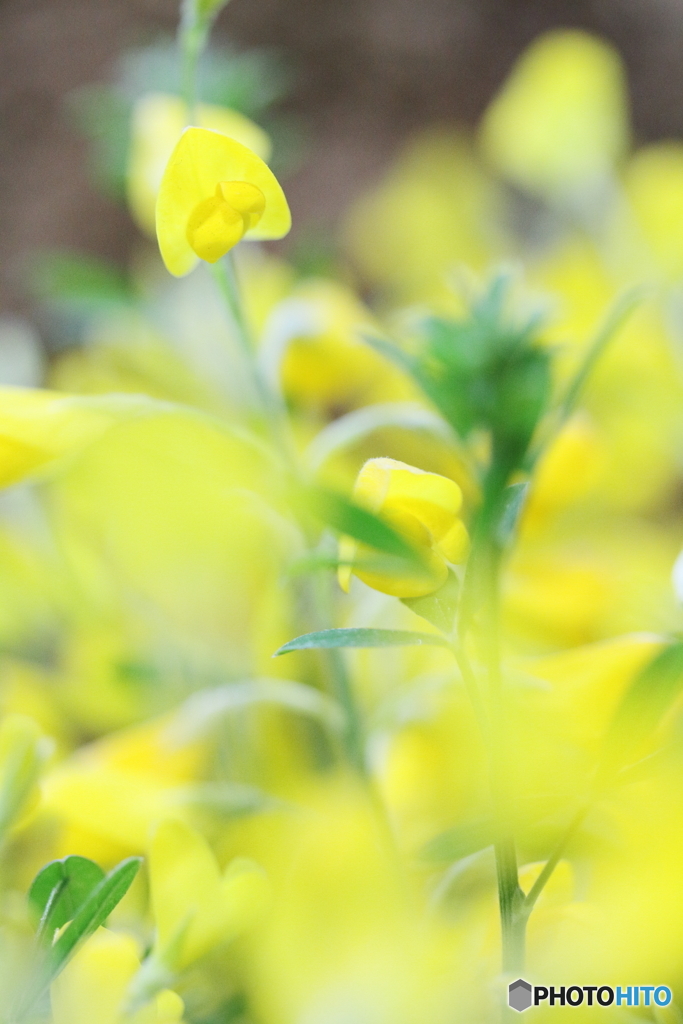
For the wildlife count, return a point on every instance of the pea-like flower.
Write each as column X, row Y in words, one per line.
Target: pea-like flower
column 424, row 509
column 214, row 192
column 157, row 124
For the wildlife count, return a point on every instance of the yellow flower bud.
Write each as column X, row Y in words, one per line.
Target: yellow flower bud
column 422, row 507
column 195, row 906
column 214, row 192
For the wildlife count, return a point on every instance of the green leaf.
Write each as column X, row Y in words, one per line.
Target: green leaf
column 344, row 516
column 203, row 710
column 327, row 638
column 317, row 562
column 80, row 282
column 356, row 425
column 513, row 499
column 226, row 799
column 59, row 889
column 403, row 360
column 616, row 317
column 642, row 707
column 438, row 608
column 460, row 841
column 92, row 913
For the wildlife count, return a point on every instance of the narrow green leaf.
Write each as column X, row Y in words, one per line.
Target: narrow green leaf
column 514, row 497
column 460, row 841
column 92, row 913
column 204, row 710
column 59, row 889
column 615, row 320
column 344, row 516
column 356, row 425
column 316, row 562
column 642, row 707
column 403, row 360
column 327, row 638
column 227, row 799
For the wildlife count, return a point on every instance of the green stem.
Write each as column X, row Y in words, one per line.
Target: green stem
column 554, row 859
column 481, row 613
column 192, row 39
column 225, row 275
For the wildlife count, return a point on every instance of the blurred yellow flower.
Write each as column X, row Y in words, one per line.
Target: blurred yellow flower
column 423, row 507
column 654, row 185
column 94, row 986
column 433, row 210
column 215, row 191
column 158, row 122
column 565, row 473
column 560, row 121
column 110, row 794
column 38, row 427
column 195, row 906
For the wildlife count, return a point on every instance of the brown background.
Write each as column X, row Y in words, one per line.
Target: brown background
column 368, row 71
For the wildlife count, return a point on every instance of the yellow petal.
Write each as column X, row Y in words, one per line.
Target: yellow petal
column 455, row 545
column 200, row 161
column 37, row 427
column 183, row 875
column 194, row 906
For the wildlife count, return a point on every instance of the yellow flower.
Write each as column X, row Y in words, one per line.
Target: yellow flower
column 214, row 192
column 38, row 427
column 158, row 122
column 94, row 986
column 561, row 119
column 654, row 185
column 423, row 508
column 195, row 906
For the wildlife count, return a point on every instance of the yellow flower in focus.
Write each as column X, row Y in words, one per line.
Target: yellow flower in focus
column 94, row 986
column 215, row 191
column 422, row 507
column 158, row 122
column 195, row 906
column 561, row 118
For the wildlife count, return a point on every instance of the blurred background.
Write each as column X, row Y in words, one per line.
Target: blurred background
column 361, row 76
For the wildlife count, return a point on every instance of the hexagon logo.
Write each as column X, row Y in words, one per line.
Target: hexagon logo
column 519, row 995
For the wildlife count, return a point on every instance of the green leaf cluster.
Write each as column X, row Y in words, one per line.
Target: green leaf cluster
column 76, row 896
column 484, row 372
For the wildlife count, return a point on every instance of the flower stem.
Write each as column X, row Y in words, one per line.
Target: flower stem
column 193, row 35
column 552, row 862
column 480, row 613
